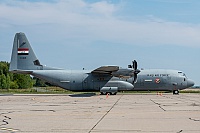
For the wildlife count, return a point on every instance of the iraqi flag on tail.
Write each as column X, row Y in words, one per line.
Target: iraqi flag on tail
column 23, row 51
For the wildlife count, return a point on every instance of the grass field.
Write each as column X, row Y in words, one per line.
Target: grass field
column 58, row 90
column 38, row 90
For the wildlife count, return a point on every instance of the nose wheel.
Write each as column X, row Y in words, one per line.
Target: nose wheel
column 175, row 92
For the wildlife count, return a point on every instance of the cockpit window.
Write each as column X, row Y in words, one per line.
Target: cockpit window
column 182, row 74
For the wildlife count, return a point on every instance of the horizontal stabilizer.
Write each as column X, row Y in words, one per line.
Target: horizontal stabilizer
column 22, row 71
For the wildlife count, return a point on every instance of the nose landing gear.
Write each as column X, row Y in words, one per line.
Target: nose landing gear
column 175, row 92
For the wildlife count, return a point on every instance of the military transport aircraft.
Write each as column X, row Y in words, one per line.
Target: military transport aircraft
column 106, row 79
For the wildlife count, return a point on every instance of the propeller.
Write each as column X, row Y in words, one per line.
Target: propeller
column 135, row 70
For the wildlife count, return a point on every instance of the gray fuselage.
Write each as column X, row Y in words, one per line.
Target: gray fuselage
column 152, row 79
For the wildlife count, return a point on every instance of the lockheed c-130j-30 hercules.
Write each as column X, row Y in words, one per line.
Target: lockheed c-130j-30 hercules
column 106, row 79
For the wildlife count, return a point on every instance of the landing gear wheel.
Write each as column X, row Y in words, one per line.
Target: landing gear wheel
column 113, row 93
column 103, row 93
column 110, row 93
column 175, row 92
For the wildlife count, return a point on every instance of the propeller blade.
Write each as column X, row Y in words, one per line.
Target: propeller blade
column 135, row 65
column 135, row 78
column 135, row 72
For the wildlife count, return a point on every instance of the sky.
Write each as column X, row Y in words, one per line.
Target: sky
column 76, row 34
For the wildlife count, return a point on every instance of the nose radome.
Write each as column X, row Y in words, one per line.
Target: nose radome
column 190, row 83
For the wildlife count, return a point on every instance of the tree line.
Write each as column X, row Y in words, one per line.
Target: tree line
column 10, row 80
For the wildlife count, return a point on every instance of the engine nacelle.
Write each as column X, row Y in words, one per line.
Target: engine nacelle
column 113, row 87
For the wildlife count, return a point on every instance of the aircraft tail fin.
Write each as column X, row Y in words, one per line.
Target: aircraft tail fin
column 23, row 57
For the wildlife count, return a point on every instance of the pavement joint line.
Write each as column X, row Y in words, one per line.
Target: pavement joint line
column 181, row 99
column 184, row 100
column 162, row 108
column 105, row 114
column 159, row 105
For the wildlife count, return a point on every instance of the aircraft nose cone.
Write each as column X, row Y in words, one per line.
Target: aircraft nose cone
column 190, row 83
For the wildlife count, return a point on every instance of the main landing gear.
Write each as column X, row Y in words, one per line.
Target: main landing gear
column 110, row 93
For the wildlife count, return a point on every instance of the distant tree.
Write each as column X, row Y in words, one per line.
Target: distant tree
column 23, row 81
column 8, row 81
column 3, row 81
column 14, row 81
column 39, row 82
column 3, row 78
column 3, row 67
column 14, row 85
column 49, row 84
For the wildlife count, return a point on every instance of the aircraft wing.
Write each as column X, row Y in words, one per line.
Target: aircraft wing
column 105, row 70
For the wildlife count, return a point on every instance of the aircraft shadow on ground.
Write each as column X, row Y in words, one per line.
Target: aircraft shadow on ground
column 83, row 95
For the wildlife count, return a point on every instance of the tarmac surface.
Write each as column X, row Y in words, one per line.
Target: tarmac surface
column 90, row 113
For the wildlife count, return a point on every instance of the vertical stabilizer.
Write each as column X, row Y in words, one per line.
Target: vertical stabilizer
column 23, row 57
